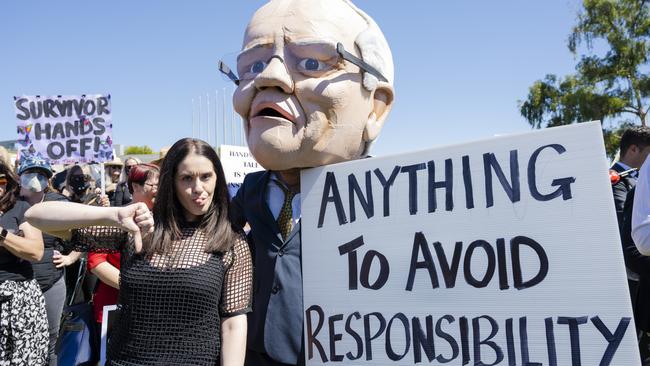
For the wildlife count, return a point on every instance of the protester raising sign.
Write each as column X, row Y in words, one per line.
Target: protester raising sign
column 500, row 252
column 65, row 129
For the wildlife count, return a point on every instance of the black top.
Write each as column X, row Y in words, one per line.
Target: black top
column 44, row 270
column 171, row 305
column 121, row 195
column 13, row 268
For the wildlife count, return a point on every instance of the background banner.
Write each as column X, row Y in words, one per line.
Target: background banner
column 65, row 129
column 499, row 252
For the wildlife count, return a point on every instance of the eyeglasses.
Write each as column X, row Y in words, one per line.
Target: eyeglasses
column 151, row 185
column 310, row 60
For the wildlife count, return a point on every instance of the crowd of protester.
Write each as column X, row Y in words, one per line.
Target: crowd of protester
column 188, row 276
column 38, row 271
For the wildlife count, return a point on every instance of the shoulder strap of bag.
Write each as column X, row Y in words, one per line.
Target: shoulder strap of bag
column 80, row 278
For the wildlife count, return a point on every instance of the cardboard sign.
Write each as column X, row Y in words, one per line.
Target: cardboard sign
column 237, row 161
column 65, row 129
column 499, row 252
column 109, row 317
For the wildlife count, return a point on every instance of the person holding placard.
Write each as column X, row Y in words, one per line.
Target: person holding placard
column 79, row 188
column 314, row 87
column 185, row 274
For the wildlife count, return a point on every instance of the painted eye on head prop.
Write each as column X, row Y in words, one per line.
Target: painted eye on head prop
column 312, row 64
column 257, row 67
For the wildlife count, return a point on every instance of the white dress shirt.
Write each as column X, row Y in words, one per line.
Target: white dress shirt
column 641, row 211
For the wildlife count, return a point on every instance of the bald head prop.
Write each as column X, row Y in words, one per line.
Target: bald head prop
column 315, row 83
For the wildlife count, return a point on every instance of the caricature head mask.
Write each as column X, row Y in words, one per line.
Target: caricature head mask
column 303, row 105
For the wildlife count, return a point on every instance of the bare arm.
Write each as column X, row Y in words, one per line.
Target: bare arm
column 108, row 274
column 58, row 218
column 29, row 247
column 233, row 340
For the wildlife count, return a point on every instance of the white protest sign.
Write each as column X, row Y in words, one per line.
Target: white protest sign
column 237, row 161
column 65, row 129
column 499, row 252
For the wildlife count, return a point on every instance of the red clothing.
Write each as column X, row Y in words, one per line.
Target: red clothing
column 105, row 294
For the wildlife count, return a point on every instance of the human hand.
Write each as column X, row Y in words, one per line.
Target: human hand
column 104, row 201
column 136, row 219
column 61, row 260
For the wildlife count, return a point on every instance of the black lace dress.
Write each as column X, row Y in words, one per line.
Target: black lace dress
column 171, row 306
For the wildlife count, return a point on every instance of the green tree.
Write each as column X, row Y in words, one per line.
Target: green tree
column 138, row 150
column 608, row 86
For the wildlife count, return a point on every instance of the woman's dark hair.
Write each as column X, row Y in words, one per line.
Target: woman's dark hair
column 140, row 173
column 8, row 200
column 168, row 211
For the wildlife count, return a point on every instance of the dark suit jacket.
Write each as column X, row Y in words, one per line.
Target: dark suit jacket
column 620, row 191
column 275, row 324
column 639, row 264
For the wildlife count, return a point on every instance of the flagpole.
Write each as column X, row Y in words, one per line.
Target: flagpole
column 207, row 119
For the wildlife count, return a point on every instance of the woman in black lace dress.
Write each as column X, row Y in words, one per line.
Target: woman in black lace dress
column 186, row 276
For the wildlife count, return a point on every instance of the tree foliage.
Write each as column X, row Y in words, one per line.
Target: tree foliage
column 138, row 150
column 611, row 86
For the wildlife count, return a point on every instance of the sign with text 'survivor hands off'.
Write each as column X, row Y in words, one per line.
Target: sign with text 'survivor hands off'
column 65, row 129
column 499, row 252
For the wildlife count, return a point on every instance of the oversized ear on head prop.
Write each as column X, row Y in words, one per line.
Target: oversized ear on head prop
column 381, row 105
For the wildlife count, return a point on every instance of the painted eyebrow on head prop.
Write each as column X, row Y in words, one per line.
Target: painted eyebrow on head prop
column 359, row 62
column 340, row 50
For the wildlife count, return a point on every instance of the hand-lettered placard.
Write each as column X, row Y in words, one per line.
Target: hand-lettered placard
column 499, row 252
column 65, row 129
column 237, row 161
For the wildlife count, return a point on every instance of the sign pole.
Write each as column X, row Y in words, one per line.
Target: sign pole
column 103, row 172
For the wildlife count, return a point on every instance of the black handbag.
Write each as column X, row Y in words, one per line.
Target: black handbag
column 78, row 344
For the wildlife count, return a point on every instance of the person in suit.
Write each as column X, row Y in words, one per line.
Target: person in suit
column 634, row 148
column 314, row 87
column 639, row 264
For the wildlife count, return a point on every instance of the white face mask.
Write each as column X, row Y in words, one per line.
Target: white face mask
column 34, row 182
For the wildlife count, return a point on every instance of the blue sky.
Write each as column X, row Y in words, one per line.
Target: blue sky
column 460, row 66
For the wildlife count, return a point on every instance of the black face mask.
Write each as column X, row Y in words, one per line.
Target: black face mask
column 79, row 184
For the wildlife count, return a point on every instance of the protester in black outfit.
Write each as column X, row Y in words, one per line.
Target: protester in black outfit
column 186, row 286
column 122, row 196
column 78, row 188
column 35, row 173
column 23, row 321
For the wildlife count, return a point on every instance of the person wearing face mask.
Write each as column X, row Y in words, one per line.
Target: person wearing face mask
column 78, row 188
column 35, row 173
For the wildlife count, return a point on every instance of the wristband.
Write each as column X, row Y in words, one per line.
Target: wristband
column 3, row 235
